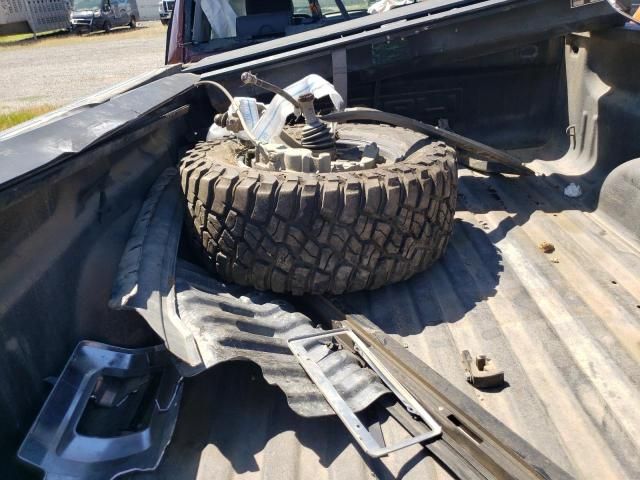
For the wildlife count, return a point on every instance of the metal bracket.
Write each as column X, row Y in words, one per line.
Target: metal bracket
column 340, row 72
column 362, row 436
column 54, row 443
column 482, row 371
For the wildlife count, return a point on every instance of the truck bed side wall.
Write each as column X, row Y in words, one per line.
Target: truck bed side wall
column 59, row 251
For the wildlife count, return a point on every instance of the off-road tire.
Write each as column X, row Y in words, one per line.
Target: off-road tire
column 321, row 233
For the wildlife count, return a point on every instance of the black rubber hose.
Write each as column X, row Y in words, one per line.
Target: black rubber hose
column 482, row 151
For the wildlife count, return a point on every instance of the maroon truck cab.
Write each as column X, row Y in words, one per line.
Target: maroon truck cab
column 175, row 50
column 195, row 32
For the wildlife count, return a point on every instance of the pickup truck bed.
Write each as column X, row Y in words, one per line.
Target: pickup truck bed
column 564, row 326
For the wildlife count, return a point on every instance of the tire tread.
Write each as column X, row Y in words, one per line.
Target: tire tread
column 326, row 233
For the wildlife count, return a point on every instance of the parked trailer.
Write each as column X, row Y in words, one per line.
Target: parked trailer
column 33, row 16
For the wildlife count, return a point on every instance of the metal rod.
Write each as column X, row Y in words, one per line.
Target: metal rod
column 340, row 405
column 473, row 443
column 482, row 151
column 249, row 78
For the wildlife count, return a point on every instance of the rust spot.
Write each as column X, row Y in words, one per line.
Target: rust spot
column 547, row 247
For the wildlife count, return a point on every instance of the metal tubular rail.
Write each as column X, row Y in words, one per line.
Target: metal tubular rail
column 474, row 444
column 359, row 432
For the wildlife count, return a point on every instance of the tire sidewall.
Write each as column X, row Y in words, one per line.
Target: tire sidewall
column 343, row 231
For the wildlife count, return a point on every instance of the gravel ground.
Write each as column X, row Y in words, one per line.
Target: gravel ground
column 57, row 71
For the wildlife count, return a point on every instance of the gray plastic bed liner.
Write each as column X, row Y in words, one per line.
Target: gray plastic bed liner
column 205, row 322
column 557, row 329
column 55, row 442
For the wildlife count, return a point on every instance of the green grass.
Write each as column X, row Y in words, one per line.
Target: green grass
column 25, row 37
column 15, row 38
column 62, row 37
column 8, row 120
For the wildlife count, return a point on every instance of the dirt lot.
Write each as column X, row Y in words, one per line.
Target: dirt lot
column 55, row 71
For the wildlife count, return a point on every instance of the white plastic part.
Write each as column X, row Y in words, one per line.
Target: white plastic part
column 217, row 132
column 270, row 123
column 573, row 190
column 221, row 17
column 386, row 5
column 248, row 110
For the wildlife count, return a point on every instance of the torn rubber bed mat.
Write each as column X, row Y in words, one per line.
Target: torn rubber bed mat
column 205, row 322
